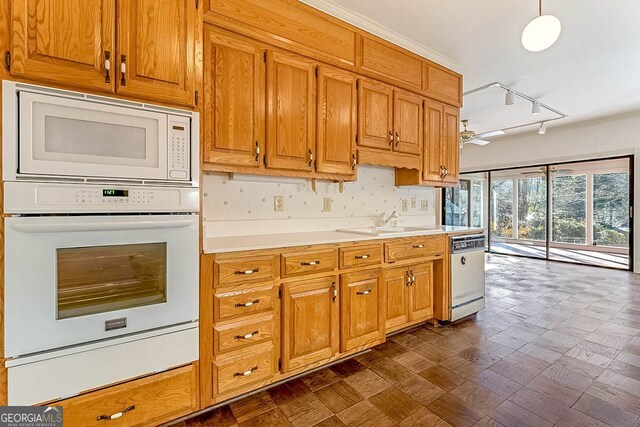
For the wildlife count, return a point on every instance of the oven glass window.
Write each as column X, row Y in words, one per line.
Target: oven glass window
column 98, row 279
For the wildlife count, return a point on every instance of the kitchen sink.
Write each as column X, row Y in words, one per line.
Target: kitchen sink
column 382, row 231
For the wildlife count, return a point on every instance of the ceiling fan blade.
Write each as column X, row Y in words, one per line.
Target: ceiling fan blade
column 478, row 141
column 563, row 170
column 490, row 134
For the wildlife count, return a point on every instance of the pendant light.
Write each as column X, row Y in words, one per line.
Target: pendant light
column 542, row 32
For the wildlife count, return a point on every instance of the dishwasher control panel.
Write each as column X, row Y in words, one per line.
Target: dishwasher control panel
column 467, row 243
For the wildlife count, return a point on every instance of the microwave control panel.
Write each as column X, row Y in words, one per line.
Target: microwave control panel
column 179, row 152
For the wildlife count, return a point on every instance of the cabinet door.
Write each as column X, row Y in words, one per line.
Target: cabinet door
column 432, row 161
column 396, row 283
column 290, row 112
column 309, row 322
column 451, row 145
column 337, row 121
column 234, row 91
column 421, row 298
column 64, row 41
column 407, row 121
column 375, row 115
column 156, row 44
column 362, row 310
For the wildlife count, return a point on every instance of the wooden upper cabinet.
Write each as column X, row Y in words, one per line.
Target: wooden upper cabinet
column 408, row 134
column 291, row 94
column 451, row 145
column 156, row 44
column 387, row 61
column 396, row 284
column 310, row 322
column 64, row 41
column 375, row 115
column 362, row 310
column 443, row 84
column 337, row 121
column 234, row 96
column 421, row 298
column 433, row 143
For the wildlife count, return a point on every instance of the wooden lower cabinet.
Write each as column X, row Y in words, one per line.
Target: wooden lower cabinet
column 421, row 292
column 310, row 321
column 409, row 295
column 244, row 371
column 146, row 401
column 396, row 282
column 362, row 309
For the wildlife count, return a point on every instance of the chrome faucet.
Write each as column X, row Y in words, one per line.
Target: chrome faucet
column 384, row 221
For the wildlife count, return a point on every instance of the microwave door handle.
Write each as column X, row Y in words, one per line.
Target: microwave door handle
column 48, row 227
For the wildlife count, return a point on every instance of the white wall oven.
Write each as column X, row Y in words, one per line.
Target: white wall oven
column 102, row 242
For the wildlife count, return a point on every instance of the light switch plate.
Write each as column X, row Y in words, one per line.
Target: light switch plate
column 424, row 205
column 413, row 202
column 326, row 204
column 405, row 205
column 278, row 203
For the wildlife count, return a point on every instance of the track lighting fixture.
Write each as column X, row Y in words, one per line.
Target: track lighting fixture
column 542, row 129
column 508, row 99
column 535, row 108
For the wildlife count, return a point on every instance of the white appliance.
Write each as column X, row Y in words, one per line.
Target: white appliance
column 467, row 275
column 102, row 245
column 55, row 134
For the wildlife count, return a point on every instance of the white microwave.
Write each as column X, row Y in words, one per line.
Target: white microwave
column 55, row 134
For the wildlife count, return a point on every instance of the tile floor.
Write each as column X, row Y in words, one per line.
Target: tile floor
column 557, row 344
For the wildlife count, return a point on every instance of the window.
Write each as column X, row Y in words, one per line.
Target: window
column 532, row 208
column 611, row 209
column 569, row 213
column 502, row 208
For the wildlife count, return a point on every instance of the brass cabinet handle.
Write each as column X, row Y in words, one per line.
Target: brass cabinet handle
column 248, row 303
column 365, row 256
column 245, row 373
column 247, row 336
column 107, row 66
column 116, row 415
column 420, row 246
column 446, row 171
column 367, row 292
column 397, row 139
column 257, row 151
column 391, row 140
column 408, row 278
column 334, row 293
column 353, row 159
column 413, row 278
column 123, row 70
column 310, row 263
column 251, row 271
column 310, row 157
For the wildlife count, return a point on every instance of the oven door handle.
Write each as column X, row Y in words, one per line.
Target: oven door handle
column 53, row 227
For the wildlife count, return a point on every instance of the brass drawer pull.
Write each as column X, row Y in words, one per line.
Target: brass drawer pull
column 248, row 303
column 247, row 336
column 116, row 415
column 367, row 292
column 253, row 270
column 310, row 263
column 420, row 246
column 362, row 256
column 245, row 373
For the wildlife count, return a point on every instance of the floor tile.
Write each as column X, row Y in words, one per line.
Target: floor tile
column 511, row 415
column 305, row 411
column 364, row 414
column 338, row 396
column 251, row 406
column 539, row 404
column 421, row 390
column 442, row 377
column 498, row 384
column 395, row 404
column 367, row 383
column 605, row 412
column 478, row 397
column 573, row 418
column 454, row 411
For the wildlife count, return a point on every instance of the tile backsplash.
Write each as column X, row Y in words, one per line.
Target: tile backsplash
column 245, row 205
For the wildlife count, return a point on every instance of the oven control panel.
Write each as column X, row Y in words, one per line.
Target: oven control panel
column 30, row 197
column 179, row 150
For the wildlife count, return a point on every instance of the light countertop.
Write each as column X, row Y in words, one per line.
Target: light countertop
column 285, row 240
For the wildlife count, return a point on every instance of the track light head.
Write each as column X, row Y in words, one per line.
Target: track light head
column 535, row 108
column 508, row 99
column 542, row 129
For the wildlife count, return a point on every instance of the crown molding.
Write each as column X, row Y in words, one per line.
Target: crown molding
column 367, row 24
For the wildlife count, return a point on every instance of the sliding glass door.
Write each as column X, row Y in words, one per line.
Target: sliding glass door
column 573, row 212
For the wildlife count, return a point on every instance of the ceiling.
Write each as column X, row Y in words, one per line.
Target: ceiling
column 592, row 71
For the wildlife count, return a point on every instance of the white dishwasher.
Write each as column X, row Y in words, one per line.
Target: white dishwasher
column 467, row 275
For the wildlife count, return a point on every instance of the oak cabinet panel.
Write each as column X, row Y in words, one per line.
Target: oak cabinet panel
column 245, row 270
column 433, row 142
column 444, row 84
column 375, row 110
column 310, row 319
column 156, row 45
column 246, row 332
column 258, row 299
column 362, row 309
column 396, row 282
column 451, row 145
column 421, row 296
column 234, row 96
column 337, row 121
column 407, row 109
column 390, row 62
column 244, row 371
column 307, row 262
column 360, row 256
column 64, row 41
column 291, row 121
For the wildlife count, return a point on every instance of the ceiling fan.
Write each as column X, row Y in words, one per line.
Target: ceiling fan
column 470, row 137
column 552, row 169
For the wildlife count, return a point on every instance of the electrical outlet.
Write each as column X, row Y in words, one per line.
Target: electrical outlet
column 326, row 204
column 405, row 205
column 278, row 203
column 424, row 205
column 413, row 202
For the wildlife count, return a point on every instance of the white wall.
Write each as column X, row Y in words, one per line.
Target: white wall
column 607, row 137
column 238, row 207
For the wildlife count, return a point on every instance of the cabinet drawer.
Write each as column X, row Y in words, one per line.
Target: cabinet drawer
column 243, row 334
column 360, row 256
column 148, row 401
column 296, row 263
column 227, row 305
column 239, row 373
column 244, row 270
column 415, row 248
